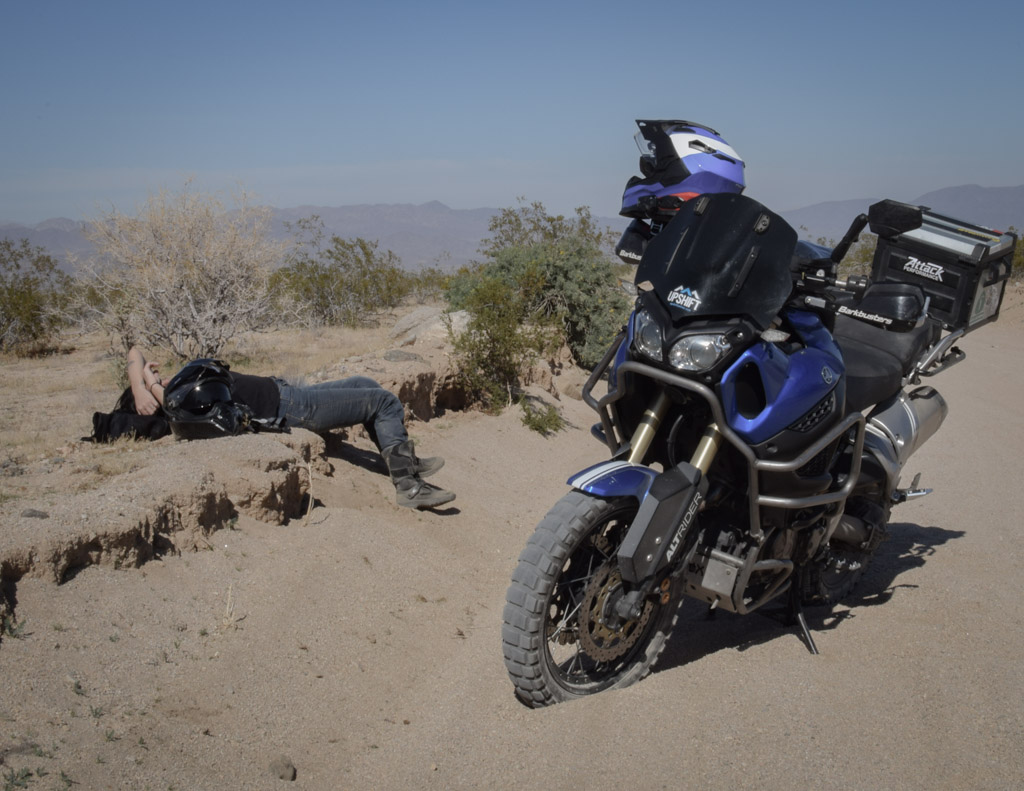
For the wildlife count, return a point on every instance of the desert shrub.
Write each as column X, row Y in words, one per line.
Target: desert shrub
column 460, row 285
column 569, row 258
column 530, row 224
column 501, row 339
column 580, row 290
column 544, row 419
column 429, row 284
column 184, row 275
column 33, row 293
column 546, row 280
column 342, row 281
column 859, row 257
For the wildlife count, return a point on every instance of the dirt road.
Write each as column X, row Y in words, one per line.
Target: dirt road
column 362, row 645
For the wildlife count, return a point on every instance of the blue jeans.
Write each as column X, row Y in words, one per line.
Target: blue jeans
column 345, row 402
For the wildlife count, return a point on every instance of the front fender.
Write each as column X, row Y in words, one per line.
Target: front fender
column 615, row 479
column 669, row 502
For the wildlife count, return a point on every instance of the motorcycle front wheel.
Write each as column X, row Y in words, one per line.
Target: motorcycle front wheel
column 561, row 638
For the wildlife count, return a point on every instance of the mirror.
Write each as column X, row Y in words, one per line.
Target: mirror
column 889, row 218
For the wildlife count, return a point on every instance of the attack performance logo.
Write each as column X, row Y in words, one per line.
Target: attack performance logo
column 683, row 298
column 924, row 269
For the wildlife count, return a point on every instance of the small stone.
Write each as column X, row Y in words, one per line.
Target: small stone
column 399, row 356
column 282, row 768
column 32, row 513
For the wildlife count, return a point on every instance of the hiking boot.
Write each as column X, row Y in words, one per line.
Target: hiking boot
column 406, row 471
column 422, row 467
column 416, row 493
column 428, row 466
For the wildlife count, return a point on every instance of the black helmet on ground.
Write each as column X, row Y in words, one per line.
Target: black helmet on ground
column 198, row 403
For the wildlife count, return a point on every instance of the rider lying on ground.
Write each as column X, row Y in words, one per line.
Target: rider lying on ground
column 320, row 408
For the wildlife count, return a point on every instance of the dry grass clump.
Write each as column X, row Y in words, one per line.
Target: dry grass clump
column 294, row 353
column 48, row 402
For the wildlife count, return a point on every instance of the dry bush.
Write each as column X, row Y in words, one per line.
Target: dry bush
column 184, row 275
column 294, row 353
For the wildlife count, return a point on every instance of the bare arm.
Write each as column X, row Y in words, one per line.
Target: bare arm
column 145, row 383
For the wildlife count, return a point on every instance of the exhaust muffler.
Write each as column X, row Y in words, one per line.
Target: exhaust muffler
column 909, row 420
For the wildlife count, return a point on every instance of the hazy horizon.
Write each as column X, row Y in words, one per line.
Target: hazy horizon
column 339, row 104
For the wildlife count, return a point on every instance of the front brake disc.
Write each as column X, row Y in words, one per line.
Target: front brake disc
column 601, row 641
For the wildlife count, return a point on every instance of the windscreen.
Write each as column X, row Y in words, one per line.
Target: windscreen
column 722, row 255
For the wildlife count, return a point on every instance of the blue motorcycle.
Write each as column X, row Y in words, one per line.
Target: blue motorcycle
column 759, row 410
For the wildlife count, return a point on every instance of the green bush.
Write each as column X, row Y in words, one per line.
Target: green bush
column 33, row 295
column 579, row 289
column 859, row 257
column 544, row 419
column 460, row 285
column 502, row 339
column 428, row 285
column 546, row 280
column 346, row 281
column 577, row 278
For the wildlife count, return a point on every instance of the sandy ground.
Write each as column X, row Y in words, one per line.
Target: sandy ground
column 361, row 645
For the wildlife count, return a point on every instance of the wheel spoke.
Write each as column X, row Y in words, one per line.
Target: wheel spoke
column 581, row 598
column 566, row 620
column 577, row 659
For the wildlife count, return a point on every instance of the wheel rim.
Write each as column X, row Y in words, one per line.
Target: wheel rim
column 584, row 652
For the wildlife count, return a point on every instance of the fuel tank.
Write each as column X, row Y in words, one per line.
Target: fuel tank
column 767, row 390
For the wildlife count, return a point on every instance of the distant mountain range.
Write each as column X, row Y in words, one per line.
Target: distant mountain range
column 991, row 207
column 429, row 234
column 424, row 235
column 432, row 234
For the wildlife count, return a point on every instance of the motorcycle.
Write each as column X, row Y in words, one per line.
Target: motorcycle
column 759, row 411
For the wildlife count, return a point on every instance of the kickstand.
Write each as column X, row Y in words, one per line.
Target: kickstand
column 796, row 613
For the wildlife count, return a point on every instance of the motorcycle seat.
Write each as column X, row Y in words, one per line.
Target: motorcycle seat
column 877, row 360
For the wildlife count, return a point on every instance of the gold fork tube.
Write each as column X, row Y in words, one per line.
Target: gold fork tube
column 648, row 427
column 707, row 449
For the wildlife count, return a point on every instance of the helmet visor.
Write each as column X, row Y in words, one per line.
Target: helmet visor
column 204, row 395
column 646, row 146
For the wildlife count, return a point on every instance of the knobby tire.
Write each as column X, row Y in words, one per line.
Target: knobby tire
column 556, row 648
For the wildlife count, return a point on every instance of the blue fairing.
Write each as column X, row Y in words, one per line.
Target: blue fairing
column 793, row 383
column 621, row 355
column 615, row 479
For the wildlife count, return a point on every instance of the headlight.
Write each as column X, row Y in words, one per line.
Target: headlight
column 698, row 352
column 647, row 335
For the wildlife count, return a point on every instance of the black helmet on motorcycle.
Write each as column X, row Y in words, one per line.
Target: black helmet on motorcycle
column 679, row 160
column 198, row 403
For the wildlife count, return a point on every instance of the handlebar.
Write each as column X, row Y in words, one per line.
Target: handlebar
column 819, row 281
column 855, row 284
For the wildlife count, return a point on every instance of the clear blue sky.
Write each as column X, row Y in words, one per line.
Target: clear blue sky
column 476, row 103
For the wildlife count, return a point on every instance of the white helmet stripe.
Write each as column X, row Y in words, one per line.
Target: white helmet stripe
column 682, row 141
